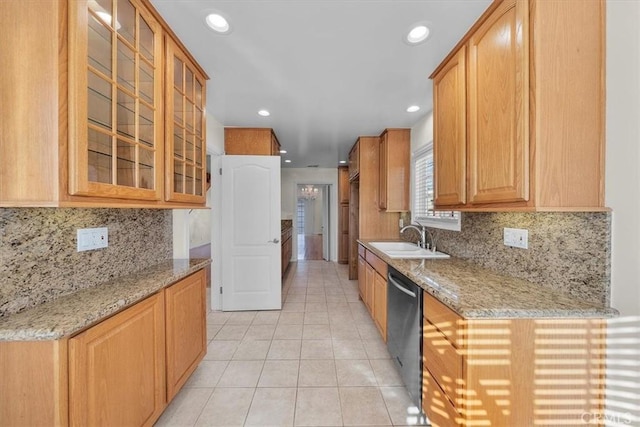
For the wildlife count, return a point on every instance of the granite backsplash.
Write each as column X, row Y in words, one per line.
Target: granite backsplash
column 568, row 251
column 38, row 258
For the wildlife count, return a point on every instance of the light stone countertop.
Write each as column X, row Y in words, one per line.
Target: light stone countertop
column 476, row 292
column 72, row 313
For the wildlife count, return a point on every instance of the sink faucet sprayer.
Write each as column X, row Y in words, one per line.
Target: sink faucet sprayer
column 423, row 236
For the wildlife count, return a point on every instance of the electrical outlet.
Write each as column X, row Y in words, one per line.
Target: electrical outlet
column 92, row 238
column 516, row 237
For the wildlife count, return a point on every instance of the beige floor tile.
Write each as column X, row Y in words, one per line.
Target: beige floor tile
column 337, row 298
column 345, row 331
column 315, row 290
column 231, row 332
column 316, row 318
column 316, row 349
column 349, row 349
column 221, row 350
column 293, row 306
column 318, row 407
column 207, row 374
column 315, row 306
column 267, row 317
column 316, row 297
column 241, row 373
column 288, row 332
column 185, row 407
column 301, row 297
column 284, row 349
column 317, row 373
column 316, row 332
column 376, row 349
column 291, row 318
column 212, row 330
column 260, row 332
column 272, row 407
column 363, row 406
column 218, row 317
column 279, row 373
column 399, row 405
column 227, row 407
column 355, row 373
column 241, row 317
column 368, row 331
column 252, row 350
column 386, row 373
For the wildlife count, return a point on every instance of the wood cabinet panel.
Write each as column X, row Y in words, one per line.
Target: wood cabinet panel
column 117, row 369
column 362, row 278
column 436, row 406
column 394, row 170
column 380, row 304
column 251, row 141
column 344, row 191
column 343, row 185
column 450, row 132
column 498, row 107
column 370, row 275
column 354, row 161
column 445, row 361
column 186, row 331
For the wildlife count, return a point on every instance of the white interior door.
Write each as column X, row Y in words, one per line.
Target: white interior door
column 251, row 248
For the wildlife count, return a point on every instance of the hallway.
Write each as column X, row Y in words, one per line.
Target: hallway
column 320, row 361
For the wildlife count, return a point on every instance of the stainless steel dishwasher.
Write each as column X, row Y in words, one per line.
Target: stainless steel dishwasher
column 404, row 331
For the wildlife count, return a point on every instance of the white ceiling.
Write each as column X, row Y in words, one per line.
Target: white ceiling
column 327, row 70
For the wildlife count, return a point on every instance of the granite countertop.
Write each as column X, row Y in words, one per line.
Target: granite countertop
column 72, row 313
column 476, row 292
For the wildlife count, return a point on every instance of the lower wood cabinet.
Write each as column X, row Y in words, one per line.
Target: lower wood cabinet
column 286, row 249
column 186, row 330
column 510, row 372
column 117, row 368
column 122, row 371
column 372, row 286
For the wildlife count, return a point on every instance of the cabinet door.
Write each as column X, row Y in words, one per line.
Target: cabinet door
column 370, row 274
column 343, row 239
column 185, row 304
column 382, row 181
column 499, row 107
column 354, row 161
column 343, row 184
column 362, row 278
column 117, row 368
column 115, row 104
column 380, row 304
column 185, row 163
column 449, row 132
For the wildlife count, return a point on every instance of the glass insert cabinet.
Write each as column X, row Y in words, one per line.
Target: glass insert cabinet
column 131, row 137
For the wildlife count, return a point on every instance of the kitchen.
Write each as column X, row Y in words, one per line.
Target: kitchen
column 43, row 231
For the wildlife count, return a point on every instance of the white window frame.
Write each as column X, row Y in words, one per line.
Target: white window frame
column 447, row 220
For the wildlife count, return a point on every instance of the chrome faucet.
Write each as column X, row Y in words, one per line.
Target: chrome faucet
column 423, row 235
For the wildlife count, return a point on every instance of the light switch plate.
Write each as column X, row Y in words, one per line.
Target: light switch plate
column 516, row 237
column 92, row 238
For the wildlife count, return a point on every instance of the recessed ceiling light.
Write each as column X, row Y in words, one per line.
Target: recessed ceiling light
column 342, row 162
column 413, row 109
column 283, row 151
column 287, row 161
column 217, row 23
column 418, row 34
column 264, row 113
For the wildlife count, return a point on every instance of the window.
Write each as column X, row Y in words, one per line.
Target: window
column 300, row 216
column 423, row 194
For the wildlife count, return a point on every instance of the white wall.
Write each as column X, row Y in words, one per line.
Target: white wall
column 622, row 190
column 291, row 177
column 422, row 132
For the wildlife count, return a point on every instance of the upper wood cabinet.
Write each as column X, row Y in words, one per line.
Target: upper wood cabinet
column 449, row 129
column 343, row 184
column 354, row 161
column 251, row 141
column 534, row 110
column 395, row 168
column 185, row 119
column 86, row 107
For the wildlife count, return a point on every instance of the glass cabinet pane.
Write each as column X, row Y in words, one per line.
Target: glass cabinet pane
column 146, row 81
column 100, row 156
column 198, row 152
column 178, row 143
column 188, row 179
column 189, row 153
column 99, row 101
column 126, row 21
column 188, row 84
column 146, row 40
column 126, row 115
column 198, row 94
column 126, row 163
column 99, row 46
column 198, row 188
column 178, row 66
column 178, row 109
column 146, row 125
column 178, row 177
column 188, row 115
column 126, row 66
column 199, row 127
column 146, row 168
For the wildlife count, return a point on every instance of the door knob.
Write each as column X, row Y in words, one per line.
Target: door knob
column 274, row 241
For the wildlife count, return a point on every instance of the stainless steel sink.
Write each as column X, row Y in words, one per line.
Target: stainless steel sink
column 406, row 250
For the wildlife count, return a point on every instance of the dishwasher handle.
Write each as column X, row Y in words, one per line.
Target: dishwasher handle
column 401, row 288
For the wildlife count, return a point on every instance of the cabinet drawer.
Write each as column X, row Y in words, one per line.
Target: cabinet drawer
column 442, row 359
column 379, row 265
column 438, row 408
column 443, row 318
column 361, row 251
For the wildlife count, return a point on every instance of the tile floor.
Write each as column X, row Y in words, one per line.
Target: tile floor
column 320, row 361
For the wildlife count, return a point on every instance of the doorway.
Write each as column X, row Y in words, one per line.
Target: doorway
column 312, row 221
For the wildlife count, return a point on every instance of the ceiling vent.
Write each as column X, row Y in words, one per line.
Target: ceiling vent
column 313, row 166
